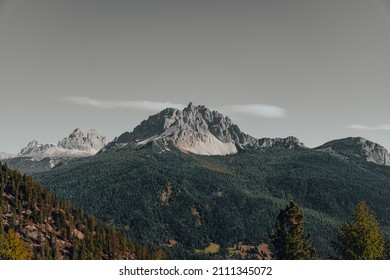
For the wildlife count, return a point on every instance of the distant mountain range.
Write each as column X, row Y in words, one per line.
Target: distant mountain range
column 195, row 129
column 36, row 157
column 198, row 130
column 192, row 177
column 76, row 144
column 6, row 156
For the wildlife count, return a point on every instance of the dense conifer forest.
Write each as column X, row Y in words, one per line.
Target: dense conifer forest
column 196, row 201
column 34, row 224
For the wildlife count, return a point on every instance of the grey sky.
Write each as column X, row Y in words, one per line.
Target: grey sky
column 321, row 67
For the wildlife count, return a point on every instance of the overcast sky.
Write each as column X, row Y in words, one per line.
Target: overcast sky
column 317, row 70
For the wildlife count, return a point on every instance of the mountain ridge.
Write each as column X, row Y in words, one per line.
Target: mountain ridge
column 6, row 155
column 36, row 157
column 357, row 148
column 76, row 144
column 195, row 129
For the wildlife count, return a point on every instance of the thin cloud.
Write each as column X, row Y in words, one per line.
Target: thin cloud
column 366, row 127
column 106, row 104
column 257, row 110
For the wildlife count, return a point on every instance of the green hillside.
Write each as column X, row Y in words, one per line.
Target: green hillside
column 34, row 224
column 157, row 197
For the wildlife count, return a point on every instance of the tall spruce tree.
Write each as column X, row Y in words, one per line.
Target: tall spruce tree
column 288, row 239
column 387, row 247
column 361, row 238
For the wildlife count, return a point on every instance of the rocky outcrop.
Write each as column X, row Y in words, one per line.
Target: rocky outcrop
column 90, row 143
column 357, row 148
column 36, row 149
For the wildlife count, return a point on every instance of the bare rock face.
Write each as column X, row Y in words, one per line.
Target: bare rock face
column 195, row 129
column 90, row 143
column 76, row 144
column 290, row 142
column 6, row 156
column 36, row 157
column 357, row 148
column 35, row 149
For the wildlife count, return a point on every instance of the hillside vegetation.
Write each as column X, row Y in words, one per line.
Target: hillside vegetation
column 35, row 224
column 195, row 200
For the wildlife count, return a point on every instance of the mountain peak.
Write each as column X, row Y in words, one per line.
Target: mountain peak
column 194, row 129
column 33, row 143
column 77, row 140
column 357, row 147
column 6, row 156
column 190, row 106
column 76, row 144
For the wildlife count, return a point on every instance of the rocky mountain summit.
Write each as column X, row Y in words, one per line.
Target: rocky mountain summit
column 90, row 143
column 357, row 148
column 76, row 144
column 36, row 157
column 195, row 129
column 35, row 149
column 5, row 156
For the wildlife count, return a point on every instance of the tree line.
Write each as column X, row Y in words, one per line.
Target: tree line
column 358, row 239
column 34, row 224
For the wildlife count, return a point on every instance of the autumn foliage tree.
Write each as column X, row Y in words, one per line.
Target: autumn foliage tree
column 361, row 238
column 13, row 248
column 288, row 239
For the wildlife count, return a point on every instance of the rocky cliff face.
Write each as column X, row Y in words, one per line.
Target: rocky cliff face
column 77, row 140
column 36, row 149
column 76, row 144
column 357, row 148
column 195, row 129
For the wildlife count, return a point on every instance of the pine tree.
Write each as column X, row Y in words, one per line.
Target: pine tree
column 41, row 255
column 83, row 251
column 1, row 225
column 1, row 195
column 54, row 251
column 387, row 247
column 361, row 239
column 47, row 250
column 2, row 203
column 288, row 240
column 75, row 250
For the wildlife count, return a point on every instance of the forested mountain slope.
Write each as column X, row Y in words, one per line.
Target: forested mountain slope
column 48, row 228
column 159, row 196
